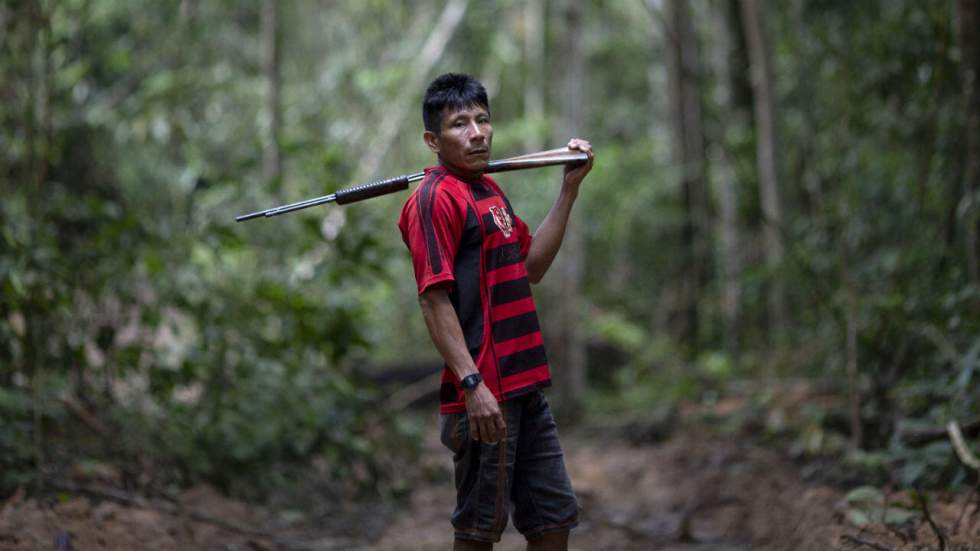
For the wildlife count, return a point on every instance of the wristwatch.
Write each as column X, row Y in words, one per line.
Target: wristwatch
column 470, row 382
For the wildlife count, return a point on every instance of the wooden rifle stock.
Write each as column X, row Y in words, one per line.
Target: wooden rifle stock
column 563, row 156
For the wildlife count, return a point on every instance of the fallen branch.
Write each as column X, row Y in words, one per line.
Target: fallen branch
column 923, row 437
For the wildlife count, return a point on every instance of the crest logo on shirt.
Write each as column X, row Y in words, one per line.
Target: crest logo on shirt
column 503, row 220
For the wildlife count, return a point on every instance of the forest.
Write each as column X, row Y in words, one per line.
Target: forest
column 763, row 324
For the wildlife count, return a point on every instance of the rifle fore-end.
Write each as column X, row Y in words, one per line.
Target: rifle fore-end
column 374, row 189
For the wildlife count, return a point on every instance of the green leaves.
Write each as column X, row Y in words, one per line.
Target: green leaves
column 868, row 505
column 124, row 283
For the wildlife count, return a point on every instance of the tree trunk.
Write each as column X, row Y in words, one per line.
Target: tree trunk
column 851, row 338
column 968, row 19
column 688, row 152
column 764, row 106
column 39, row 48
column 534, row 39
column 566, row 347
column 738, row 68
column 271, row 155
column 725, row 181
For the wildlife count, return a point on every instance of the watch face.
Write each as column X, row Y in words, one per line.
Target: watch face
column 470, row 381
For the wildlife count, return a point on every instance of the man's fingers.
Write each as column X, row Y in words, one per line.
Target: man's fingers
column 489, row 431
column 584, row 146
column 481, row 429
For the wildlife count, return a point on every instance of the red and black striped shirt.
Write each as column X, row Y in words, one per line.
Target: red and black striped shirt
column 467, row 236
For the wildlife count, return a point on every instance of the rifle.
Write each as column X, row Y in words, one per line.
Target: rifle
column 561, row 156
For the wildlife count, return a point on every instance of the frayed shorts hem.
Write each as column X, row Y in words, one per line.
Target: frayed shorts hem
column 494, row 537
column 540, row 531
column 478, row 535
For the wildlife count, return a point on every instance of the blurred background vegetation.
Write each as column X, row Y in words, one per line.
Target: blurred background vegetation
column 783, row 217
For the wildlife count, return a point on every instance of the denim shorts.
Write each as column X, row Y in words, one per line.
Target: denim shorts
column 524, row 476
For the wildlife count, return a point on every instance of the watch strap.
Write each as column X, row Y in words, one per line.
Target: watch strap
column 470, row 381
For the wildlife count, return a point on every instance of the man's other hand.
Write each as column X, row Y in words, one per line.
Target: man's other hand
column 486, row 420
column 574, row 176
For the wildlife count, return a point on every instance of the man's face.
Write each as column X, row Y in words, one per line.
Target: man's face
column 463, row 141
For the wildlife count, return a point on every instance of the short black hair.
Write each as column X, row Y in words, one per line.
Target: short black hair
column 452, row 90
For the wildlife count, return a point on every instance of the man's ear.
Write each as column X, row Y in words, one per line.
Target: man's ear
column 432, row 140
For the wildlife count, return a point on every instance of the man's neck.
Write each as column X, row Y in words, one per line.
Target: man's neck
column 468, row 177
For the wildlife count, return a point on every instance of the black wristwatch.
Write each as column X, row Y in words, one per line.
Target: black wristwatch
column 470, row 382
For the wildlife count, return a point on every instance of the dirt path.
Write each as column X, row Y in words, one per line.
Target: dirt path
column 691, row 494
column 687, row 494
column 683, row 495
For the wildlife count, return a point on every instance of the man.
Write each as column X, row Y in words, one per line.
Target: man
column 474, row 260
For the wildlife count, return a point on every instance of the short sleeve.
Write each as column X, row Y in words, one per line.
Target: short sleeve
column 523, row 235
column 431, row 225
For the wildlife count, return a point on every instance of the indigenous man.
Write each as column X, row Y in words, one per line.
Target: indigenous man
column 474, row 261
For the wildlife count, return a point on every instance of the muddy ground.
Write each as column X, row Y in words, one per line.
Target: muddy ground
column 688, row 493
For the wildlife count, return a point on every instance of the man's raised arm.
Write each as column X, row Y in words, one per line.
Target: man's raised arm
column 548, row 237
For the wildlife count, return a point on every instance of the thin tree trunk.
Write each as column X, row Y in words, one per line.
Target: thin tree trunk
column 534, row 39
column 272, row 153
column 764, row 101
column 851, row 331
column 688, row 151
column 730, row 262
column 726, row 184
column 567, row 348
column 38, row 48
column 968, row 20
column 738, row 67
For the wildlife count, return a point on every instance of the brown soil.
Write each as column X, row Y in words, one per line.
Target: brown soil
column 692, row 494
column 686, row 494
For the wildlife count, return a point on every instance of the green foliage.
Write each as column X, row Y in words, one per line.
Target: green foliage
column 16, row 453
column 206, row 350
column 867, row 505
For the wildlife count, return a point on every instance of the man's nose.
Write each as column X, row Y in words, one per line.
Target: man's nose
column 477, row 132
